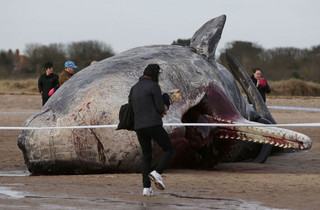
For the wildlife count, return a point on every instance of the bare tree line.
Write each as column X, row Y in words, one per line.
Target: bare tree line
column 277, row 63
column 15, row 65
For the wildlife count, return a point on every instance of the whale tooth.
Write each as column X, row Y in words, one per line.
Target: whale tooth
column 229, row 121
column 277, row 144
column 272, row 143
column 226, row 137
column 221, row 137
column 255, row 141
column 281, row 145
column 285, row 146
column 238, row 138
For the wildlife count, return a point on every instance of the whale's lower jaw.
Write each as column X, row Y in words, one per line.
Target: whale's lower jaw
column 278, row 137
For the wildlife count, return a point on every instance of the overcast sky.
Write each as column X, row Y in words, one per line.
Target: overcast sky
column 124, row 24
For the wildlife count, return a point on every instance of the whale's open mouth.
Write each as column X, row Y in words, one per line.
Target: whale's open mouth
column 215, row 107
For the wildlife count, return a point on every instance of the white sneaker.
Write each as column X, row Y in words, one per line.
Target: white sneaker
column 147, row 192
column 157, row 179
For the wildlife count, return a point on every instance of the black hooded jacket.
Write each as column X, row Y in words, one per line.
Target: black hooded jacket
column 147, row 103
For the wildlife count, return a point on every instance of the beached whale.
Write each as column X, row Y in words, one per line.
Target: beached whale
column 209, row 93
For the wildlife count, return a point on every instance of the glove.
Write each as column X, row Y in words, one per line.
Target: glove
column 166, row 99
column 51, row 92
column 262, row 82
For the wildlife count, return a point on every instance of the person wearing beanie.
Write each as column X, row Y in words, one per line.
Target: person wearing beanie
column 148, row 107
column 260, row 83
column 48, row 82
column 69, row 70
column 152, row 70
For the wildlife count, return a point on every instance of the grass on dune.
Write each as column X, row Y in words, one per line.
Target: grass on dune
column 21, row 86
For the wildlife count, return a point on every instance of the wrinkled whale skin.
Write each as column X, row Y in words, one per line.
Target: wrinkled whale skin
column 93, row 96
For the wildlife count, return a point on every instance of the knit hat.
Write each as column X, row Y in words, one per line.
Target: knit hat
column 152, row 70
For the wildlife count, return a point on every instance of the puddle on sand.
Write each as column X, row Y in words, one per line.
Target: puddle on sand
column 178, row 200
column 14, row 173
column 71, row 202
column 7, row 192
column 45, row 202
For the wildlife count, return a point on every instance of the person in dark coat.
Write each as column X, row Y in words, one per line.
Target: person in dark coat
column 48, row 82
column 260, row 83
column 148, row 106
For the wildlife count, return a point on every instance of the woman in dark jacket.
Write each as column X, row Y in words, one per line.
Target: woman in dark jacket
column 147, row 102
column 260, row 83
column 47, row 81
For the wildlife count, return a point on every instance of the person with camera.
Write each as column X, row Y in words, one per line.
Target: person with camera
column 260, row 83
column 48, row 82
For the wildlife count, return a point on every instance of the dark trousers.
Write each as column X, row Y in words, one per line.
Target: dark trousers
column 161, row 137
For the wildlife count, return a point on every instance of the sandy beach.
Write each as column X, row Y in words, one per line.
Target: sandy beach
column 285, row 181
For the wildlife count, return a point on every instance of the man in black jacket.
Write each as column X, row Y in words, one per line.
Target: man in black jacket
column 48, row 81
column 148, row 106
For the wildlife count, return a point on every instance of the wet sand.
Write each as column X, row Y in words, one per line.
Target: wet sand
column 285, row 181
